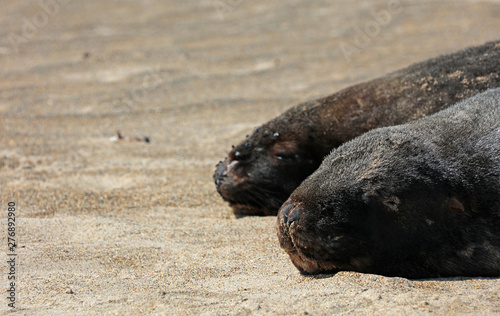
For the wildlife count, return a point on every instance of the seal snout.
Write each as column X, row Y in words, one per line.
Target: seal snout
column 308, row 256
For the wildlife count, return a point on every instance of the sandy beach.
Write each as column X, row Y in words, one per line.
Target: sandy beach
column 127, row 227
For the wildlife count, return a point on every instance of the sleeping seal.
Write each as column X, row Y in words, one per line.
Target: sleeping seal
column 259, row 174
column 416, row 200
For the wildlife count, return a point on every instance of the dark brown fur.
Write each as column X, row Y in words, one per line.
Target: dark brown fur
column 415, row 200
column 260, row 173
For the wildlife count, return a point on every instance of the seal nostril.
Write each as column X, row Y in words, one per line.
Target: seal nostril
column 290, row 214
column 285, row 211
column 293, row 215
column 220, row 173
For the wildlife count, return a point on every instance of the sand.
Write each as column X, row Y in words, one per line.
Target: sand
column 125, row 227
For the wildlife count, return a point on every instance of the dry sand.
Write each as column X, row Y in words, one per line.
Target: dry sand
column 119, row 228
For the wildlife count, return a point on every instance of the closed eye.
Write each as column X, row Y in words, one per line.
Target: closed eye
column 287, row 156
column 286, row 151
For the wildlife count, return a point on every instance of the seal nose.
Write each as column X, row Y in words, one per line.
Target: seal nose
column 290, row 213
column 220, row 173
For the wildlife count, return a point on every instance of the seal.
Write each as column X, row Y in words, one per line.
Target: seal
column 261, row 172
column 417, row 200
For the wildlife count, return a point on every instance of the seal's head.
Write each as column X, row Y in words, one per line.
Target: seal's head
column 388, row 204
column 259, row 174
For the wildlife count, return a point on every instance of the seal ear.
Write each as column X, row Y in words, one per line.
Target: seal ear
column 455, row 205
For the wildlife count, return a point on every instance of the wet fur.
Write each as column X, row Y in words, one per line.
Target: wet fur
column 416, row 200
column 267, row 166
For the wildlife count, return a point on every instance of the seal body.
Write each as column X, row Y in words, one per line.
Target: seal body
column 415, row 200
column 261, row 172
